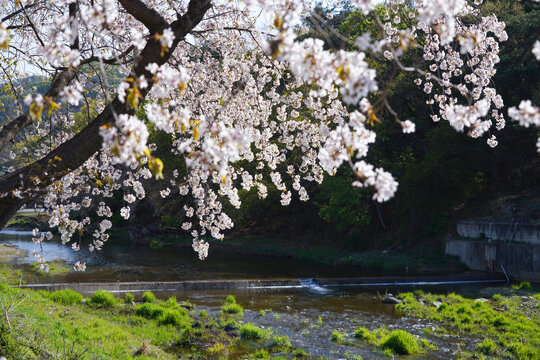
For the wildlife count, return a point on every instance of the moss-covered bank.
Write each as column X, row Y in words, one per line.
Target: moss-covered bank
column 63, row 325
column 503, row 326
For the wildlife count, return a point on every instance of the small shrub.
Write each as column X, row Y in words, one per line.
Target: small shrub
column 319, row 320
column 230, row 299
column 281, row 341
column 129, row 299
column 172, row 317
column 336, row 336
column 103, row 298
column 149, row 310
column 66, row 297
column 401, row 342
column 155, row 244
column 497, row 297
column 203, row 314
column 252, row 332
column 262, row 313
column 363, row 334
column 233, row 308
column 487, row 347
column 525, row 285
column 148, row 297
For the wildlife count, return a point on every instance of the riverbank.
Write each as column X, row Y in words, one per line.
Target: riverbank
column 427, row 258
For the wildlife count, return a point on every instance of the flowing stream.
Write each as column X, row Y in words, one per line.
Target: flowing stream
column 307, row 313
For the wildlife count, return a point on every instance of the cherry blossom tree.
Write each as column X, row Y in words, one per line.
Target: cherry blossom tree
column 247, row 100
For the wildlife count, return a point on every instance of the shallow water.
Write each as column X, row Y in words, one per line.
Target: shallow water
column 295, row 313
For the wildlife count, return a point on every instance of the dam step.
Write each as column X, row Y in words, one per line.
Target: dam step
column 319, row 285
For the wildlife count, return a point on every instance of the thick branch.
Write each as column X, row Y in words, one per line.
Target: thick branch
column 147, row 16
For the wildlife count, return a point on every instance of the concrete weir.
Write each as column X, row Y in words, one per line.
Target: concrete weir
column 314, row 284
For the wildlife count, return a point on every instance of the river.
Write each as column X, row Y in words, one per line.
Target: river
column 291, row 311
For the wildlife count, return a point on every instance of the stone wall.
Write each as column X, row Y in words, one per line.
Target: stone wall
column 521, row 261
column 499, row 231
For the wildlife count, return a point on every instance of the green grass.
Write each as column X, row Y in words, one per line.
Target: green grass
column 252, row 332
column 509, row 325
column 129, row 298
column 59, row 326
column 216, row 349
column 103, row 298
column 363, row 334
column 234, row 309
column 487, row 347
column 66, row 297
column 401, row 342
column 281, row 341
column 336, row 336
column 149, row 310
column 148, row 297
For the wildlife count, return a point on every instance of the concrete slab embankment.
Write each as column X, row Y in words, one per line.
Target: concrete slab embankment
column 524, row 233
column 364, row 282
column 520, row 261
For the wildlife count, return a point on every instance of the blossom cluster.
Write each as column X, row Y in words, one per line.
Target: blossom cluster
column 247, row 106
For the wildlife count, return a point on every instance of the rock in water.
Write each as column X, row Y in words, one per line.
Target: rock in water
column 391, row 300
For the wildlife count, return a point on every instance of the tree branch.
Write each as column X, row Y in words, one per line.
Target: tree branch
column 147, row 16
column 10, row 130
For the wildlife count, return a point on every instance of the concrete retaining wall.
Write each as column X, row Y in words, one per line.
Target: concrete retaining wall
column 499, row 231
column 521, row 261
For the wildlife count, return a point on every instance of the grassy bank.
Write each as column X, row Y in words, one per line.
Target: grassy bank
column 63, row 325
column 503, row 326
